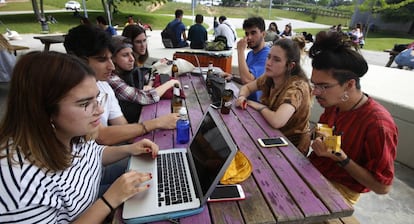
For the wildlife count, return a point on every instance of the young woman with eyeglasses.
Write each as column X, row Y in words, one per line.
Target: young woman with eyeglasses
column 286, row 97
column 50, row 165
column 368, row 132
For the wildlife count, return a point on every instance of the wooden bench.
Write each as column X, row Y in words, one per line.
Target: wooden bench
column 4, row 44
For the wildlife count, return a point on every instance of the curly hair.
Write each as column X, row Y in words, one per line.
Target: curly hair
column 333, row 51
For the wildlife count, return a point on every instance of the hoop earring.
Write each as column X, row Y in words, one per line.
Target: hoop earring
column 345, row 97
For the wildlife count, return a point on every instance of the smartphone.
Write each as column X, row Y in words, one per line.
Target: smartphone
column 230, row 192
column 272, row 142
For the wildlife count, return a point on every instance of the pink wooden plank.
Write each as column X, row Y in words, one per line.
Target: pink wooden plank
column 195, row 113
column 147, row 113
column 203, row 217
column 165, row 139
column 331, row 198
column 277, row 196
column 309, row 203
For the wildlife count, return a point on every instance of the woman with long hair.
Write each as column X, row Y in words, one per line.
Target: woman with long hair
column 51, row 166
column 286, row 97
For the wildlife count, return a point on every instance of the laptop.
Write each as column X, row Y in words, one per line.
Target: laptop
column 204, row 162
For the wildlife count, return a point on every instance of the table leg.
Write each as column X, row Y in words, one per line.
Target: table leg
column 47, row 47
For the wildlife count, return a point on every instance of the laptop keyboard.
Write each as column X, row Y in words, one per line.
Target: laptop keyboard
column 173, row 185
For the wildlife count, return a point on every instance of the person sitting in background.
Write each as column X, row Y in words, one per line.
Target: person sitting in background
column 357, row 36
column 339, row 28
column 215, row 25
column 365, row 160
column 94, row 45
column 85, row 21
column 287, row 32
column 252, row 66
column 272, row 34
column 286, row 100
column 406, row 57
column 137, row 35
column 103, row 24
column 130, row 20
column 304, row 59
column 179, row 28
column 146, row 26
column 226, row 29
column 128, row 82
column 7, row 60
column 50, row 164
column 197, row 34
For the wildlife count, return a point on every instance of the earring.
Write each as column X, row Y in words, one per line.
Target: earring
column 345, row 97
column 53, row 126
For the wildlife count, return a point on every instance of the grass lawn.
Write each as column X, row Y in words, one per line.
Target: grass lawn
column 159, row 15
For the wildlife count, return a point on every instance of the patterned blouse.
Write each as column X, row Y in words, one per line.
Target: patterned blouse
column 296, row 92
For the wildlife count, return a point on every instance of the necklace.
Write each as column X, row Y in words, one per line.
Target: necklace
column 359, row 101
column 335, row 132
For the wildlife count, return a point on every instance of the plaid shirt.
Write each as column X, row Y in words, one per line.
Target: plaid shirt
column 123, row 91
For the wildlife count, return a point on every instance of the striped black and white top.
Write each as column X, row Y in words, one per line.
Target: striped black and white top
column 29, row 194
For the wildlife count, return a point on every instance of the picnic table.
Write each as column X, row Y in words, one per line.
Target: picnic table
column 284, row 186
column 47, row 40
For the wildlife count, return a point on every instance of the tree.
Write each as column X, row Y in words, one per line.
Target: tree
column 390, row 10
column 109, row 7
column 40, row 15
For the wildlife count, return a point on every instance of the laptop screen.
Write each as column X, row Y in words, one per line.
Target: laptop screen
column 210, row 152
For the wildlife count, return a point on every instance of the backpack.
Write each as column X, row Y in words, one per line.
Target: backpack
column 169, row 38
column 219, row 44
column 215, row 86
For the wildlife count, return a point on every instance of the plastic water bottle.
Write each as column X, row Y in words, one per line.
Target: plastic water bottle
column 183, row 127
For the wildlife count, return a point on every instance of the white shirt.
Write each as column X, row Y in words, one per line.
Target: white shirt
column 33, row 195
column 227, row 30
column 112, row 109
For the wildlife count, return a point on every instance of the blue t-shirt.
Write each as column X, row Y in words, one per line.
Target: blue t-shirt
column 179, row 28
column 257, row 64
column 111, row 30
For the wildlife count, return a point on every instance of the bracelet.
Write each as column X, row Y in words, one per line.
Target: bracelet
column 261, row 108
column 107, row 203
column 144, row 127
column 344, row 162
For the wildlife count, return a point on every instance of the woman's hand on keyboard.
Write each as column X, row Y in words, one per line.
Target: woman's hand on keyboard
column 144, row 146
column 126, row 186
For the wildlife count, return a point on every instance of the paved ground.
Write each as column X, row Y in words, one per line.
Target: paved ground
column 397, row 207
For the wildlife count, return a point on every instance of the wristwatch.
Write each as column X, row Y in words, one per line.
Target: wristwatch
column 344, row 162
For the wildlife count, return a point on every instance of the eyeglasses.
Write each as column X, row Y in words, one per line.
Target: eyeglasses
column 92, row 105
column 321, row 88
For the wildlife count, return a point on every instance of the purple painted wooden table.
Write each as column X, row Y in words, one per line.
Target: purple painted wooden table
column 284, row 186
